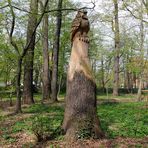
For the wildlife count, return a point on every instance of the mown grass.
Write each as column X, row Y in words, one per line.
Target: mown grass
column 117, row 120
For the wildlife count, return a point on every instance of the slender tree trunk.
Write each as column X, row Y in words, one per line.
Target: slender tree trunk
column 117, row 50
column 54, row 86
column 28, row 62
column 19, row 62
column 18, row 86
column 60, row 83
column 21, row 55
column 141, row 54
column 36, row 78
column 139, row 90
column 102, row 75
column 80, row 117
column 45, row 74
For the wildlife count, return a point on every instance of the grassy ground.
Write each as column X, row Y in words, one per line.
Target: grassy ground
column 124, row 121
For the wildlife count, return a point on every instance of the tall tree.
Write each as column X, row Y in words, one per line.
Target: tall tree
column 80, row 112
column 141, row 54
column 19, row 60
column 20, row 54
column 28, row 62
column 117, row 49
column 45, row 73
column 54, row 85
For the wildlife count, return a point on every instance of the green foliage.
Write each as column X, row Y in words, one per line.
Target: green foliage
column 43, row 108
column 9, row 138
column 117, row 120
column 83, row 134
column 22, row 126
column 41, row 127
column 124, row 119
column 84, row 129
column 45, row 127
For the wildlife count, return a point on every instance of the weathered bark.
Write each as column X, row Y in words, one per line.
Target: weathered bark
column 117, row 50
column 80, row 118
column 54, row 86
column 45, row 74
column 28, row 62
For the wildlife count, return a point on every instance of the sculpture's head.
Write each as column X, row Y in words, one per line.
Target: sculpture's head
column 82, row 14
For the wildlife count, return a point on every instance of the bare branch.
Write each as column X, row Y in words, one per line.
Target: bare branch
column 24, row 10
column 72, row 9
column 4, row 6
column 12, row 29
column 132, row 12
column 54, row 10
column 39, row 21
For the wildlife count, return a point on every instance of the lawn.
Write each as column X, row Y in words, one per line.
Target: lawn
column 124, row 123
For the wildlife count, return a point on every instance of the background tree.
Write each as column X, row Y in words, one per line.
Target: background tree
column 117, row 49
column 28, row 62
column 56, row 47
column 141, row 56
column 45, row 73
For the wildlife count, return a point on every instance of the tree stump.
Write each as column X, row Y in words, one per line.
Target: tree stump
column 80, row 118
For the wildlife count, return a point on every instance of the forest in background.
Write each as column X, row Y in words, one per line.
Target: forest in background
column 35, row 49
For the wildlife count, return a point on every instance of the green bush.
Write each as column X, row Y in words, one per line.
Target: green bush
column 45, row 127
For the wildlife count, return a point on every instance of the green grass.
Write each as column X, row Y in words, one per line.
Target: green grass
column 121, row 96
column 124, row 119
column 117, row 119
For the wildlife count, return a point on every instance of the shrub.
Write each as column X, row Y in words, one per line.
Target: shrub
column 45, row 127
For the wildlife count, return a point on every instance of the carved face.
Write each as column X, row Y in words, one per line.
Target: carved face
column 80, row 24
column 83, row 14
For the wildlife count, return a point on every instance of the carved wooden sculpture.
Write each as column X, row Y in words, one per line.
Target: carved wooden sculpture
column 80, row 118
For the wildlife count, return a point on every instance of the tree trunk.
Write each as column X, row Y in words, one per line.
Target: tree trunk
column 54, row 86
column 36, row 77
column 45, row 74
column 28, row 62
column 18, row 86
column 80, row 118
column 139, row 90
column 117, row 50
column 102, row 75
column 141, row 54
